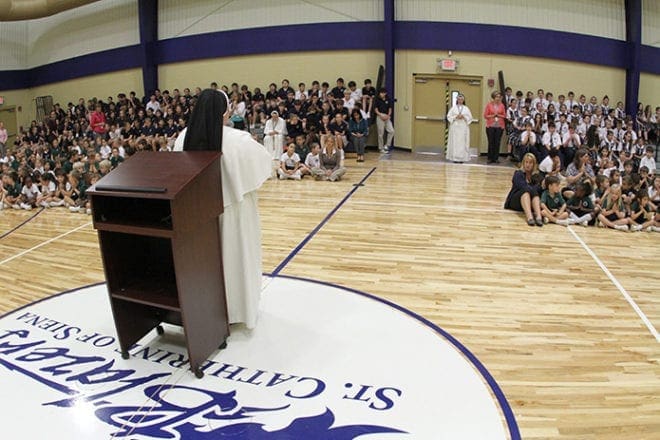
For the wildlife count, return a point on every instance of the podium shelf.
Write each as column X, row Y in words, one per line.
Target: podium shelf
column 149, row 294
column 131, row 227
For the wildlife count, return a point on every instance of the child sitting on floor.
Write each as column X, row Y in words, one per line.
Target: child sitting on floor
column 553, row 205
column 581, row 208
column 613, row 214
column 643, row 213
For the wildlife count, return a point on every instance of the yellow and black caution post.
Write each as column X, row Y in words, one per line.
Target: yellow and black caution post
column 446, row 113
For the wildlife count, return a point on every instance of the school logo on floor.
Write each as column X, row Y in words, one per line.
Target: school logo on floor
column 323, row 363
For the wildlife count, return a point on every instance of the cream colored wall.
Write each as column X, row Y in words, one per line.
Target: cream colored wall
column 524, row 73
column 649, row 89
column 258, row 70
column 261, row 70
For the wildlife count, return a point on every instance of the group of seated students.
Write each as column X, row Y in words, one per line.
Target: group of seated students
column 627, row 200
column 583, row 162
column 54, row 161
column 539, row 124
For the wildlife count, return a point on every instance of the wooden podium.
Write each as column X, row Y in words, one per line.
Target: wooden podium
column 157, row 221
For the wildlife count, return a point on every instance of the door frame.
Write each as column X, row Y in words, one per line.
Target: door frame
column 447, row 76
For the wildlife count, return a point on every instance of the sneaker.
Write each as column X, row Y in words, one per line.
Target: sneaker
column 88, row 211
column 563, row 222
column 539, row 222
column 26, row 206
column 530, row 222
column 649, row 229
column 75, row 208
column 621, row 227
column 545, row 220
column 54, row 204
column 585, row 223
column 635, row 228
column 655, row 228
column 16, row 206
column 297, row 177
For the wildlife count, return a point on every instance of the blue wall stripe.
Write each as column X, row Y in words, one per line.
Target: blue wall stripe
column 93, row 64
column 277, row 39
column 511, row 40
column 508, row 40
column 650, row 61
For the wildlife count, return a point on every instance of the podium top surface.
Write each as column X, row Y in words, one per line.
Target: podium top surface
column 150, row 174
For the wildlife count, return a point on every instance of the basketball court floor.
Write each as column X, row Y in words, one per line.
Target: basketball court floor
column 402, row 302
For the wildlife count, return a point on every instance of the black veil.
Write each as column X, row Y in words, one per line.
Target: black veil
column 206, row 122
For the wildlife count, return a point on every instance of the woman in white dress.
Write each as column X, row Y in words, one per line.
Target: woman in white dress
column 245, row 165
column 458, row 144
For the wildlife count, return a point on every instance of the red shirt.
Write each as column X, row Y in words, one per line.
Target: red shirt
column 97, row 121
column 493, row 110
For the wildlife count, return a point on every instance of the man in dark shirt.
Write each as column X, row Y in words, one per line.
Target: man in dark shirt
column 148, row 129
column 338, row 91
column 294, row 127
column 383, row 108
column 283, row 92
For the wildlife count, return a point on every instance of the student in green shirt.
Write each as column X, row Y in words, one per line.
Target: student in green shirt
column 553, row 205
column 581, row 208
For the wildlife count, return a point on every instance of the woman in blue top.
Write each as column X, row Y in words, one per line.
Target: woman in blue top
column 525, row 191
column 359, row 130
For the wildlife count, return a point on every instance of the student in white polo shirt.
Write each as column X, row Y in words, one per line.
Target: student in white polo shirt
column 289, row 164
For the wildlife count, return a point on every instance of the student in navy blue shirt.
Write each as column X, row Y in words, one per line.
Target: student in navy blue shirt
column 339, row 128
column 338, row 91
column 525, row 191
column 294, row 127
column 148, row 129
column 283, row 92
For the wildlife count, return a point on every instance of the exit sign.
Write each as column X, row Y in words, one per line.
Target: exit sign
column 448, row 64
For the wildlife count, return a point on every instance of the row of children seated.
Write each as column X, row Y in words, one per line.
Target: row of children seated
column 627, row 202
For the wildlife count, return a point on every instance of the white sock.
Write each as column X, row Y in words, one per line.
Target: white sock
column 584, row 218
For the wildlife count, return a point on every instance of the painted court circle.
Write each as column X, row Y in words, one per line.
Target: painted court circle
column 324, row 362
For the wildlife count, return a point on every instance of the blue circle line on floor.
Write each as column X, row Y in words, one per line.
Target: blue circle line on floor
column 510, row 419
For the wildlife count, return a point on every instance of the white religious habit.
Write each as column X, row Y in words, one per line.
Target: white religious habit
column 458, row 144
column 245, row 166
column 274, row 142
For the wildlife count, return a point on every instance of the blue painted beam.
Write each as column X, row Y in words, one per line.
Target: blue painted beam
column 389, row 30
column 148, row 24
column 634, row 42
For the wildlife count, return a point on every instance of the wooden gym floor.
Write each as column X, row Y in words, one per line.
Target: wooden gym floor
column 557, row 315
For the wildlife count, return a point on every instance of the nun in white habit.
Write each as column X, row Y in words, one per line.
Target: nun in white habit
column 458, row 144
column 245, row 165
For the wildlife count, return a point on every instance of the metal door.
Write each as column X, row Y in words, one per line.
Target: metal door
column 433, row 97
column 429, row 114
